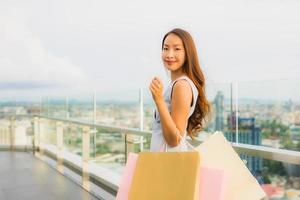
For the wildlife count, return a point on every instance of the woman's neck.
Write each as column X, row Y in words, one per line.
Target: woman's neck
column 176, row 74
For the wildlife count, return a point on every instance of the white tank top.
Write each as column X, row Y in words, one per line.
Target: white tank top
column 158, row 142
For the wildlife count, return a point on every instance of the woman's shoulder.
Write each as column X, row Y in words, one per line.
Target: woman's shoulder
column 184, row 81
column 182, row 84
column 182, row 88
column 185, row 85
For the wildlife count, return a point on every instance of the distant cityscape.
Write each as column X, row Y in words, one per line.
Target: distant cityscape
column 264, row 123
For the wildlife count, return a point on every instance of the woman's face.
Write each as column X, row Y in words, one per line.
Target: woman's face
column 173, row 53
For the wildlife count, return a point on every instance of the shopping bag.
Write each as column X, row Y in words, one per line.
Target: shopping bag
column 166, row 176
column 217, row 152
column 212, row 184
column 126, row 180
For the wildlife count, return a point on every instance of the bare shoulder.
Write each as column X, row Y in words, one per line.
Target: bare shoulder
column 182, row 88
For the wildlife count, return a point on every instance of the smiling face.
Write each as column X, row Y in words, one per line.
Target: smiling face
column 173, row 53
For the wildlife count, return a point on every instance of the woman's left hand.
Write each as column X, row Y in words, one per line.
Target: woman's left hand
column 156, row 88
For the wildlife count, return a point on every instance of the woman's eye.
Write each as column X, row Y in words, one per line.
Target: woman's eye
column 165, row 48
column 177, row 49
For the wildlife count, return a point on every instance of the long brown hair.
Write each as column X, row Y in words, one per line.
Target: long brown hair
column 192, row 69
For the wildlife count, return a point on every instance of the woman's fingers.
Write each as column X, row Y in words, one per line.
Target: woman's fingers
column 151, row 88
column 156, row 88
column 155, row 85
column 157, row 82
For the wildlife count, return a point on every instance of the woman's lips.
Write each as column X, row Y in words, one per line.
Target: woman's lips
column 170, row 62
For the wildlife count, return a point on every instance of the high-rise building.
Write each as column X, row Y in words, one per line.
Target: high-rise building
column 219, row 111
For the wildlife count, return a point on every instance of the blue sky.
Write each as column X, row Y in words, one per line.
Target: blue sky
column 77, row 47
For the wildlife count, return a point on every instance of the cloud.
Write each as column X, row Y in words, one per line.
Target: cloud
column 100, row 46
column 24, row 60
column 25, row 85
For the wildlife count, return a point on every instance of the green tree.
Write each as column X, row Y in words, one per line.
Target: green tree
column 275, row 167
column 274, row 128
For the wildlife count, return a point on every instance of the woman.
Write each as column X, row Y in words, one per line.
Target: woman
column 183, row 108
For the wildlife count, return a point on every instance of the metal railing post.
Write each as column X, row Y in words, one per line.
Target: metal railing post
column 36, row 142
column 59, row 145
column 41, row 136
column 12, row 133
column 141, row 119
column 85, row 157
column 141, row 109
column 130, row 142
column 236, row 114
column 125, row 152
column 1, row 135
column 94, row 132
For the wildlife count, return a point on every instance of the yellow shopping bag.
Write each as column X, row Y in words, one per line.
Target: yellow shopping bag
column 166, row 176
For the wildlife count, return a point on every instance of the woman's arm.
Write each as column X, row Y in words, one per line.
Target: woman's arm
column 176, row 122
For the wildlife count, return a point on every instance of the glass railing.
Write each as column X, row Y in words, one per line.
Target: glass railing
column 15, row 132
column 267, row 113
column 5, row 139
column 270, row 111
column 70, row 143
column 222, row 101
column 72, row 138
column 118, row 108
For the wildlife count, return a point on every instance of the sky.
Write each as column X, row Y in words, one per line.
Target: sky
column 75, row 48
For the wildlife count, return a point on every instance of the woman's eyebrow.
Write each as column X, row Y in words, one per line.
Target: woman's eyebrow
column 173, row 45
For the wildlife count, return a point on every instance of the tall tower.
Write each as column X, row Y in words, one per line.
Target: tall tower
column 219, row 111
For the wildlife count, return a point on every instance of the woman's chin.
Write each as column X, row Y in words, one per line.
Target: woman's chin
column 170, row 67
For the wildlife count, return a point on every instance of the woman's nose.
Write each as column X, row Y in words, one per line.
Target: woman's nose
column 170, row 54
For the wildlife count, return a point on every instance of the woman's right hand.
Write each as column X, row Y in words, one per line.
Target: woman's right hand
column 156, row 88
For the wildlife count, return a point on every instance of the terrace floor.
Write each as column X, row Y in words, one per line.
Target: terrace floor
column 25, row 177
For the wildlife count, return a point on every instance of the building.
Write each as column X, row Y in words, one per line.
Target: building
column 219, row 111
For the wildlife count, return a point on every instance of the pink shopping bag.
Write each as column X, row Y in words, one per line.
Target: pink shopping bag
column 126, row 180
column 212, row 184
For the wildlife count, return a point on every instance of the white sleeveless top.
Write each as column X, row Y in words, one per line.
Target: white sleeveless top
column 157, row 141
